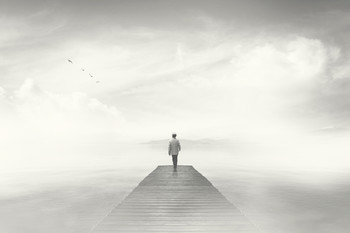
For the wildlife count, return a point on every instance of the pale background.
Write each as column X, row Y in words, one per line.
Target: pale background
column 257, row 91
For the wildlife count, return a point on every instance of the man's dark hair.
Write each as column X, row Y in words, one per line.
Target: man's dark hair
column 174, row 135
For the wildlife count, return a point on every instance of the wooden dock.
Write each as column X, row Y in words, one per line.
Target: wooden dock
column 169, row 201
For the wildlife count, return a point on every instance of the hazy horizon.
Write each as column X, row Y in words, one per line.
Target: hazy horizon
column 266, row 74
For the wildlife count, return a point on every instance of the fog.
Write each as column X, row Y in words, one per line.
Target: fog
column 68, row 159
column 70, row 187
column 257, row 91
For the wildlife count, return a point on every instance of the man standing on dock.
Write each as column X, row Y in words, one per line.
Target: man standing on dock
column 174, row 149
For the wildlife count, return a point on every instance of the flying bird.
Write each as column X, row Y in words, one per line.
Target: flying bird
column 82, row 69
column 97, row 81
column 91, row 75
column 70, row 61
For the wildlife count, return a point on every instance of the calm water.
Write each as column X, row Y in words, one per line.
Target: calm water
column 71, row 188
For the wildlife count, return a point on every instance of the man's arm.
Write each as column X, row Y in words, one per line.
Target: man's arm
column 169, row 148
column 179, row 146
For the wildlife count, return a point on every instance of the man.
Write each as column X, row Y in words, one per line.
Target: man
column 173, row 150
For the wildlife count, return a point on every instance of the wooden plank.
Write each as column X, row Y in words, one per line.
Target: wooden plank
column 175, row 201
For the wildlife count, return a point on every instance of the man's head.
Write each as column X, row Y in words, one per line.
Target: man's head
column 174, row 135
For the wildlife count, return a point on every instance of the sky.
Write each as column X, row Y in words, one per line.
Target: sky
column 238, row 70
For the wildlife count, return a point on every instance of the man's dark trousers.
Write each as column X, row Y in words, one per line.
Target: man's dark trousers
column 175, row 161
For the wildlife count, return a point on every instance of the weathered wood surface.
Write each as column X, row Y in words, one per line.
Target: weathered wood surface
column 181, row 201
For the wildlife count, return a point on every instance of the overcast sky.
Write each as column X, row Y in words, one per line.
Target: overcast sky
column 211, row 69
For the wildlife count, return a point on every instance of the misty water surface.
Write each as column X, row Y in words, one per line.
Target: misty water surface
column 71, row 188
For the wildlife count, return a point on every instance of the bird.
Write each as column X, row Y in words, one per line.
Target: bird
column 97, row 81
column 82, row 69
column 91, row 75
column 70, row 61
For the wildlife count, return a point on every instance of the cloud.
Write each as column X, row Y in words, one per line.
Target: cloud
column 253, row 87
column 31, row 114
